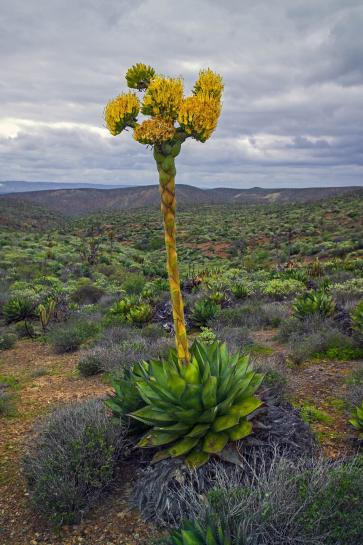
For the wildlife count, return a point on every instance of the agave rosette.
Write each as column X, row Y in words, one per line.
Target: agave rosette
column 193, row 533
column 194, row 410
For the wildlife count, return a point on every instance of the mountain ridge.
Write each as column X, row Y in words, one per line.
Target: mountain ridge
column 80, row 201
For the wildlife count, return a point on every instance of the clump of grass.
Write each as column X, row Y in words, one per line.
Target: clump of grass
column 310, row 414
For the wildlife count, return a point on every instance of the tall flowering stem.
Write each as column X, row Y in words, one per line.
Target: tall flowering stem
column 173, row 119
column 165, row 160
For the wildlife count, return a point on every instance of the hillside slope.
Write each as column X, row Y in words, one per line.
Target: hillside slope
column 77, row 202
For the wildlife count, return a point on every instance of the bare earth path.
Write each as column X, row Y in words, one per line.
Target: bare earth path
column 112, row 523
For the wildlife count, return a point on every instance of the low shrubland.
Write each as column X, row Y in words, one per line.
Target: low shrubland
column 72, row 459
column 284, row 502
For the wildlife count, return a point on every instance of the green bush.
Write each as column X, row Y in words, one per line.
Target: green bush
column 130, row 310
column 70, row 336
column 357, row 318
column 279, row 289
column 18, row 309
column 336, row 509
column 204, row 311
column 6, row 402
column 134, row 284
column 7, row 341
column 71, row 460
column 241, row 290
column 313, row 302
column 87, row 294
column 357, row 420
column 91, row 363
column 305, row 503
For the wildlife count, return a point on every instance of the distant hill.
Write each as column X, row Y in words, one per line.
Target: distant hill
column 77, row 202
column 21, row 187
column 25, row 215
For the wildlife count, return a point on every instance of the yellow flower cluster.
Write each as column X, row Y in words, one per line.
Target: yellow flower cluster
column 210, row 83
column 121, row 112
column 163, row 98
column 154, row 131
column 198, row 115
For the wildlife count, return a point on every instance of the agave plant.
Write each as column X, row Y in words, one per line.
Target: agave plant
column 140, row 314
column 195, row 410
column 193, row 533
column 17, row 310
column 126, row 399
column 357, row 318
column 313, row 302
column 357, row 420
column 204, row 310
column 241, row 290
column 173, row 119
column 131, row 310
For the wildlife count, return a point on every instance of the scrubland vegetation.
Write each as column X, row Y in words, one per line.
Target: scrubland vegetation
column 283, row 287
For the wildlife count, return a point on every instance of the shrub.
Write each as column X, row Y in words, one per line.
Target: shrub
column 357, row 317
column 134, row 284
column 313, row 302
column 249, row 315
column 318, row 343
column 24, row 329
column 207, row 335
column 357, row 420
column 6, row 402
column 204, row 310
column 7, row 341
column 130, row 310
column 309, row 502
column 87, row 294
column 197, row 408
column 275, row 382
column 279, row 289
column 91, row 363
column 236, row 338
column 72, row 460
column 70, row 336
column 241, row 290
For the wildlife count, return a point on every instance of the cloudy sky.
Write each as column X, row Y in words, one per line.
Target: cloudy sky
column 293, row 102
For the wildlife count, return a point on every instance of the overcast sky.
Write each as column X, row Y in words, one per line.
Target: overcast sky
column 292, row 109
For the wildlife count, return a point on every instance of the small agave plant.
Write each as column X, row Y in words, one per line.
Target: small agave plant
column 199, row 398
column 193, row 533
column 357, row 420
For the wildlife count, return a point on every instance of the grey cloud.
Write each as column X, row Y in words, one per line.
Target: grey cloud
column 293, row 104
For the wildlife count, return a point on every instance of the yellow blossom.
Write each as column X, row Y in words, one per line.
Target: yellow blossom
column 198, row 115
column 154, row 131
column 209, row 82
column 163, row 98
column 121, row 112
